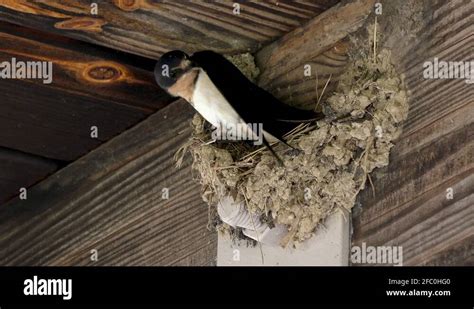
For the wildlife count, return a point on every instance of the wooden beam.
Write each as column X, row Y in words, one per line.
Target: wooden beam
column 296, row 89
column 111, row 201
column 149, row 28
column 321, row 44
column 21, row 170
column 91, row 86
column 412, row 207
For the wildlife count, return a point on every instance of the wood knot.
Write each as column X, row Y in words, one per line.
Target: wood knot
column 82, row 24
column 128, row 5
column 103, row 72
column 341, row 47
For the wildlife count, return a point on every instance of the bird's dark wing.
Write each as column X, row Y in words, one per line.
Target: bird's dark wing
column 251, row 102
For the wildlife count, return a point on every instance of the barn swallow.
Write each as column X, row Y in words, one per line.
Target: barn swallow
column 223, row 95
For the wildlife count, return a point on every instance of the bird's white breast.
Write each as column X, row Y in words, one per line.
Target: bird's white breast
column 211, row 104
column 214, row 107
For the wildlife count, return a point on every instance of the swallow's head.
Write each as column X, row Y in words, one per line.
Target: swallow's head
column 171, row 71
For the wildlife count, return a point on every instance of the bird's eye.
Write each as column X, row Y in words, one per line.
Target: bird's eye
column 174, row 73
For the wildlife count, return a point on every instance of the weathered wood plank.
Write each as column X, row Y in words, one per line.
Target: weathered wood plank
column 21, row 170
column 294, row 88
column 89, row 70
column 111, row 200
column 434, row 155
column 149, row 28
column 411, row 208
column 91, row 86
column 55, row 125
column 320, row 44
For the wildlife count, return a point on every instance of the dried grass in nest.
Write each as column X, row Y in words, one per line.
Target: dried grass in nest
column 363, row 117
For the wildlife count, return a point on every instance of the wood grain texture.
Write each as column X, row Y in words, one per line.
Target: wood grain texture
column 21, row 170
column 149, row 28
column 322, row 44
column 435, row 152
column 91, row 86
column 111, row 201
column 87, row 69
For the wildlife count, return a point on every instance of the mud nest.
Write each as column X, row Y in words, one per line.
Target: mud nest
column 363, row 117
